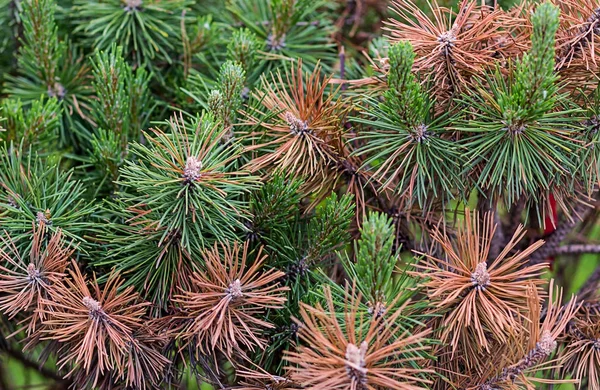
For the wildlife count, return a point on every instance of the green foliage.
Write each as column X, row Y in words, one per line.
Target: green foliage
column 120, row 111
column 404, row 89
column 179, row 194
column 153, row 260
column 329, row 229
column 112, row 77
column 381, row 282
column 36, row 125
column 225, row 101
column 221, row 93
column 300, row 245
column 273, row 206
column 521, row 136
column 36, row 190
column 408, row 147
column 49, row 67
column 379, row 274
column 148, row 31
column 243, row 49
column 375, row 262
column 201, row 34
column 188, row 178
column 41, row 50
column 289, row 30
column 107, row 157
column 204, row 85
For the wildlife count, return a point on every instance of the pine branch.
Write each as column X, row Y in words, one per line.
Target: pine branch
column 555, row 238
column 28, row 363
column 576, row 249
column 406, row 144
column 590, row 285
column 515, row 214
column 148, row 33
column 515, row 143
column 542, row 351
column 41, row 50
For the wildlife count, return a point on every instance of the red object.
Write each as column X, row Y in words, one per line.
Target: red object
column 550, row 223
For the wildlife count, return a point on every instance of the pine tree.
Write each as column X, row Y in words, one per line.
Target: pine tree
column 295, row 194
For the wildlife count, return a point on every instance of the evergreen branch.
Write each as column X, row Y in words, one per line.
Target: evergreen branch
column 289, row 30
column 147, row 31
column 520, row 140
column 407, row 145
column 330, row 227
column 576, row 249
column 462, row 102
column 41, row 50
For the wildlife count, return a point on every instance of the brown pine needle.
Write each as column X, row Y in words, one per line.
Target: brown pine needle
column 478, row 300
column 452, row 47
column 25, row 282
column 304, row 138
column 227, row 300
column 93, row 325
column 335, row 353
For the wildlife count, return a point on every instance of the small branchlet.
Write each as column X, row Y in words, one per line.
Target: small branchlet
column 225, row 101
column 243, row 49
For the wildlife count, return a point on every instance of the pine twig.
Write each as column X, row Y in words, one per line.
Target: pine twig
column 542, row 350
column 514, row 219
column 26, row 362
column 576, row 249
column 590, row 284
column 555, row 238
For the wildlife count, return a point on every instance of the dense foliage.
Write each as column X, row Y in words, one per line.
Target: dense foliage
column 287, row 194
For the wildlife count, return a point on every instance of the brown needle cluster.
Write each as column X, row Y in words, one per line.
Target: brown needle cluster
column 25, row 282
column 481, row 299
column 544, row 326
column 96, row 329
column 515, row 363
column 303, row 129
column 578, row 40
column 453, row 47
column 581, row 353
column 227, row 300
column 344, row 350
